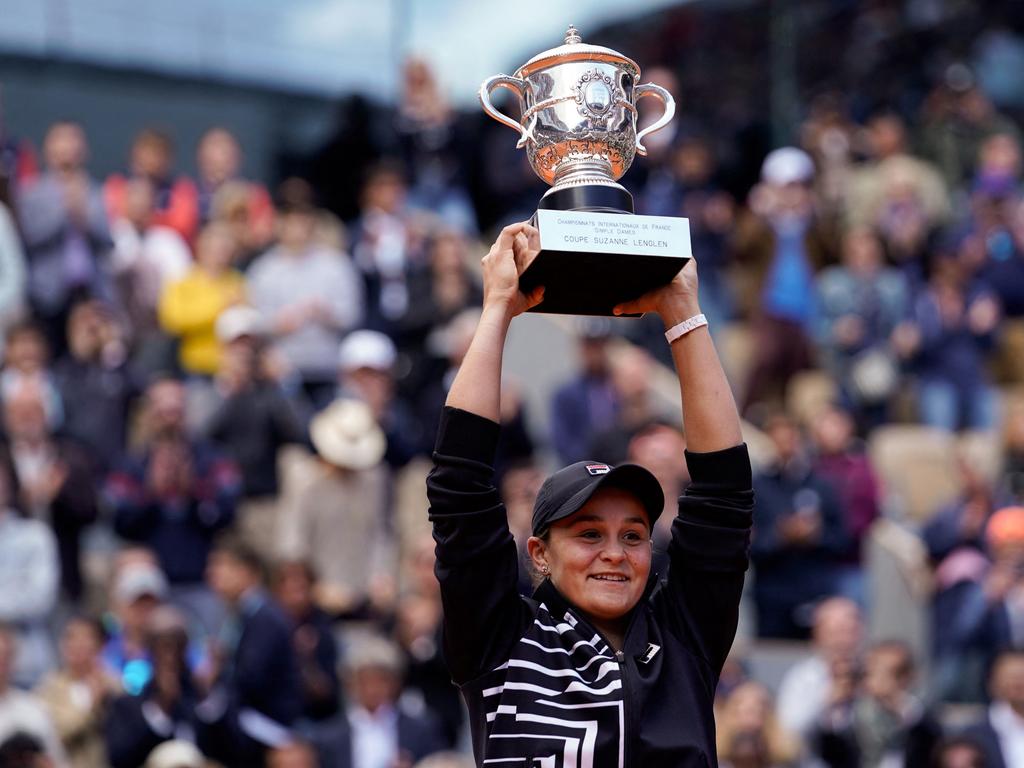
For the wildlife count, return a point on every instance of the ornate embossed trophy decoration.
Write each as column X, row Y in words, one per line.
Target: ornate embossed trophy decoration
column 578, row 126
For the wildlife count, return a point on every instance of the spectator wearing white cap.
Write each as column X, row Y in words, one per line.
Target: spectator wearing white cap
column 782, row 243
column 251, row 421
column 338, row 522
column 137, row 589
column 366, row 363
column 309, row 294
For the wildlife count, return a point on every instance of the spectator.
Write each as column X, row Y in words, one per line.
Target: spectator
column 252, row 421
column 1001, row 733
column 657, row 448
column 984, row 615
column 27, row 361
column 255, row 674
column 379, row 730
column 690, row 186
column 800, row 538
column 175, row 203
column 840, row 460
column 95, row 384
column 860, row 305
column 29, row 580
column 64, row 226
column 891, row 161
column 957, row 117
column 136, row 591
column 812, row 683
column 294, row 587
column 174, row 497
column 79, row 694
column 749, row 734
column 219, row 161
column 438, row 291
column 22, row 712
column 56, row 478
column 883, row 723
column 432, row 145
column 1003, row 267
column 338, row 523
column 588, row 403
column 366, row 365
column 387, row 245
column 310, row 295
column 165, row 708
column 783, row 243
column 13, row 267
column 955, row 326
column 636, row 408
column 147, row 257
column 189, row 308
column 418, row 631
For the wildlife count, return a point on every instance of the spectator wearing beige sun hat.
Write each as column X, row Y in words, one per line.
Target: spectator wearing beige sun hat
column 338, row 522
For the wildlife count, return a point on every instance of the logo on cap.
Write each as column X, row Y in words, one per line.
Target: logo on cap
column 598, row 469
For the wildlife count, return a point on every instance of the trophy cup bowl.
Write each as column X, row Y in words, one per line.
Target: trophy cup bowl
column 578, row 127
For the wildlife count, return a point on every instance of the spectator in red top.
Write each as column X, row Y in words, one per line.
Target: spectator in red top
column 176, row 203
column 841, row 461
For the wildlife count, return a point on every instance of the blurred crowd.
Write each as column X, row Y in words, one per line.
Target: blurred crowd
column 218, row 403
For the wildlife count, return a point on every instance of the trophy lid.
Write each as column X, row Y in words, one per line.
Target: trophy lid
column 574, row 49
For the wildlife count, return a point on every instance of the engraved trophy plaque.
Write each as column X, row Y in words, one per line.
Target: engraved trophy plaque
column 578, row 127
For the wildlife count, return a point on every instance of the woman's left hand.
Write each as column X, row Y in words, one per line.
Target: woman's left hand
column 674, row 302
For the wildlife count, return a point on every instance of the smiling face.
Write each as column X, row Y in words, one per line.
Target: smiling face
column 599, row 558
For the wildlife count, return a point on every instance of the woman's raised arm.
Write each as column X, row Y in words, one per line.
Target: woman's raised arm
column 710, row 417
column 477, row 385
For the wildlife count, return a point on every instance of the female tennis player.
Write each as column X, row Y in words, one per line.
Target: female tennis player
column 608, row 664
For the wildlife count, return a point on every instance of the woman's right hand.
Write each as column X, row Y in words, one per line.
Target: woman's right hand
column 511, row 254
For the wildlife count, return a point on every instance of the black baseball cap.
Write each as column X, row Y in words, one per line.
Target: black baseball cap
column 566, row 491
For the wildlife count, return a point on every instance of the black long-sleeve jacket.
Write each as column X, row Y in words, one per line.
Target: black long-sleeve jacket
column 542, row 686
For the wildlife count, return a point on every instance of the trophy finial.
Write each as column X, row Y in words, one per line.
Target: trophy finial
column 572, row 35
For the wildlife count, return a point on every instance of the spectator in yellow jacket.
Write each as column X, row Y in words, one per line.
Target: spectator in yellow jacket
column 189, row 307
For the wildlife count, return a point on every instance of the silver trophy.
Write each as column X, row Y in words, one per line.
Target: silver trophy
column 578, row 126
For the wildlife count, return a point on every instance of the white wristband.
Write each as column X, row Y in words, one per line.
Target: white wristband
column 683, row 328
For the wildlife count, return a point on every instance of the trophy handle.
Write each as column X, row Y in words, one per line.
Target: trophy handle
column 650, row 89
column 513, row 84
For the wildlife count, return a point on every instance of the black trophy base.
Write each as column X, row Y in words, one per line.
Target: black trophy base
column 584, row 280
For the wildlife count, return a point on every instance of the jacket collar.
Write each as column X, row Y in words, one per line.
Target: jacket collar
column 557, row 605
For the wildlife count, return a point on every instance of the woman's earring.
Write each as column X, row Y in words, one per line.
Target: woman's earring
column 544, row 570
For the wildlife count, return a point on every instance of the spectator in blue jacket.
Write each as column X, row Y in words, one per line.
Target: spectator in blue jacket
column 800, row 541
column 956, row 324
column 174, row 498
column 255, row 688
